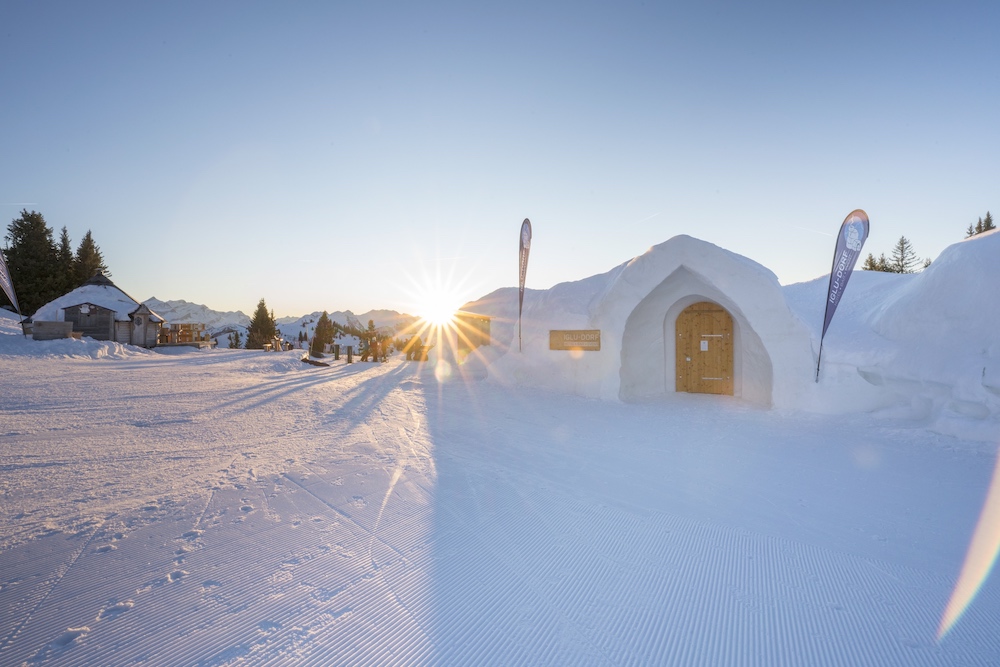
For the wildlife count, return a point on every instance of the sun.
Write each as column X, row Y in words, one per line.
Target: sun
column 436, row 296
column 437, row 307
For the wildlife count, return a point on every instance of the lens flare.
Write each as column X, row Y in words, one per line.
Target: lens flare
column 979, row 559
column 442, row 371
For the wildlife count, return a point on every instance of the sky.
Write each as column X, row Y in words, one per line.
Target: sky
column 226, row 152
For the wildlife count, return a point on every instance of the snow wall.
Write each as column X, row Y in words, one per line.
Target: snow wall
column 924, row 346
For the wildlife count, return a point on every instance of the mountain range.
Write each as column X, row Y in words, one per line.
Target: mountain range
column 223, row 322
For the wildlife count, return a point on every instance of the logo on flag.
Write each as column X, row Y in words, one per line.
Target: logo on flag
column 853, row 233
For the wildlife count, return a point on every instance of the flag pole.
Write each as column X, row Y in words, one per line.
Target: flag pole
column 819, row 358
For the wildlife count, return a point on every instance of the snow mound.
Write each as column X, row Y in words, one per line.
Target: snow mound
column 9, row 322
column 954, row 294
column 16, row 345
column 944, row 326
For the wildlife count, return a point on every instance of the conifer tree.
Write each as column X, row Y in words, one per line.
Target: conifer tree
column 262, row 328
column 33, row 260
column 88, row 260
column 880, row 264
column 903, row 259
column 323, row 335
column 982, row 225
column 65, row 258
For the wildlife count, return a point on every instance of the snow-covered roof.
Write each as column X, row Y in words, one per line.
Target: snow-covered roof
column 98, row 291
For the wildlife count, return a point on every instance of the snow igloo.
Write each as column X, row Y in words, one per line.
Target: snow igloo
column 685, row 316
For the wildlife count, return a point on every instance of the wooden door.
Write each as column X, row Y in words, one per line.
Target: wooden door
column 704, row 349
column 139, row 331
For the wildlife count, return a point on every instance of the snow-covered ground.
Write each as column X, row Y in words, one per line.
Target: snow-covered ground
column 222, row 507
column 225, row 507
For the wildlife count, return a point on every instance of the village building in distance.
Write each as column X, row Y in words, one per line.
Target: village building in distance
column 100, row 310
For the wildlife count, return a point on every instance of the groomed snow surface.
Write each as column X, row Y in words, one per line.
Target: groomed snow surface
column 227, row 507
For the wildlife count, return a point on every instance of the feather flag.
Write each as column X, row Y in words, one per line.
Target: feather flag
column 853, row 232
column 7, row 284
column 525, row 248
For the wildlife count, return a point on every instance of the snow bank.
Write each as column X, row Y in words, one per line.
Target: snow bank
column 9, row 322
column 14, row 344
column 942, row 326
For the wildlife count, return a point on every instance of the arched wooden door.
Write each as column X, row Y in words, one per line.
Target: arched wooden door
column 704, row 345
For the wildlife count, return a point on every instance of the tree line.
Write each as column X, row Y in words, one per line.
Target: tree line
column 263, row 329
column 903, row 258
column 43, row 269
column 984, row 225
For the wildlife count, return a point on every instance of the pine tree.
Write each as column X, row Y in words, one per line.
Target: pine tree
column 982, row 225
column 33, row 260
column 262, row 328
column 235, row 340
column 880, row 264
column 323, row 335
column 904, row 259
column 89, row 260
column 65, row 258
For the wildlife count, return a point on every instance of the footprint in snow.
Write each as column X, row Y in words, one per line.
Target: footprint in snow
column 70, row 636
column 61, row 643
column 115, row 610
column 269, row 626
column 173, row 577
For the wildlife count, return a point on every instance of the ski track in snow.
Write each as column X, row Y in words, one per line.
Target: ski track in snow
column 238, row 508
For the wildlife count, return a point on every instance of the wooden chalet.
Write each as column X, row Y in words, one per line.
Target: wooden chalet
column 100, row 310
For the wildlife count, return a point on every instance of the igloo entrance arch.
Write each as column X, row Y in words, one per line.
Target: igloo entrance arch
column 648, row 352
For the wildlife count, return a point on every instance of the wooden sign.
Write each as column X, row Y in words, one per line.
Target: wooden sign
column 588, row 340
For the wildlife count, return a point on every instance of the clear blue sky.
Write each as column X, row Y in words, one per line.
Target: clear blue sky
column 331, row 155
